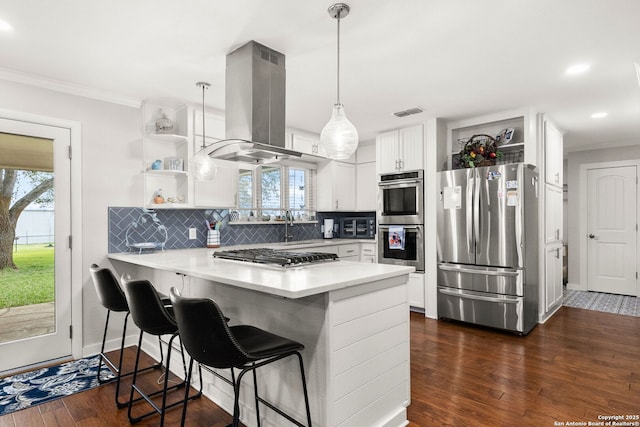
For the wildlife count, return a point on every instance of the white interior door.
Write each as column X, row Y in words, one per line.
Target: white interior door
column 57, row 343
column 611, row 229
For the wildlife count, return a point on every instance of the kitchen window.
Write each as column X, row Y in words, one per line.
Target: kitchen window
column 273, row 189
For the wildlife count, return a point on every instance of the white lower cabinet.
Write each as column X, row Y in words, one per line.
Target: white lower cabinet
column 350, row 252
column 368, row 253
column 553, row 277
column 552, row 214
column 416, row 290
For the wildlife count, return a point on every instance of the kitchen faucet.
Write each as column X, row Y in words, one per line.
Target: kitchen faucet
column 288, row 222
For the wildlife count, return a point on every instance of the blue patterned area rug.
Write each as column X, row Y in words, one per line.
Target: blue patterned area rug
column 610, row 303
column 43, row 385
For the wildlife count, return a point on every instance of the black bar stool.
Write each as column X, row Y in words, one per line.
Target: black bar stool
column 112, row 298
column 152, row 316
column 212, row 343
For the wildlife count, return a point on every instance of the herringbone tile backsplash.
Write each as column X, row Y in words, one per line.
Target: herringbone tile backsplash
column 178, row 222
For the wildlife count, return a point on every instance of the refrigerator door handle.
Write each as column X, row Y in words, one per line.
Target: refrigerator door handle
column 462, row 294
column 477, row 222
column 475, row 271
column 471, row 234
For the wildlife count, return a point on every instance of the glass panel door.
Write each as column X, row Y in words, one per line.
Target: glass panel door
column 35, row 258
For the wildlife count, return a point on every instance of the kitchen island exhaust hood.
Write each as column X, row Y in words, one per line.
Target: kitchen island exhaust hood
column 255, row 106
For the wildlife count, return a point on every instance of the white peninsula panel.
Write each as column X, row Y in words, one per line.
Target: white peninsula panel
column 353, row 322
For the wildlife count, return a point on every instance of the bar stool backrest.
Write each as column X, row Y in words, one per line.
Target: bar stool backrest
column 108, row 289
column 147, row 309
column 205, row 333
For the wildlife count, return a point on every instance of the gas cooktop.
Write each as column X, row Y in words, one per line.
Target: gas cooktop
column 282, row 258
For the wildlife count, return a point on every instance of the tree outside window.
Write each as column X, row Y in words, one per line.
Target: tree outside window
column 271, row 180
column 271, row 190
column 245, row 189
column 297, row 189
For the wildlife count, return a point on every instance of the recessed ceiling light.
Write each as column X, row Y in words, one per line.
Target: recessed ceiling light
column 599, row 115
column 5, row 26
column 577, row 69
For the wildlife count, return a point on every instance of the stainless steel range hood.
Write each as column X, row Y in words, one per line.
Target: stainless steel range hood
column 255, row 106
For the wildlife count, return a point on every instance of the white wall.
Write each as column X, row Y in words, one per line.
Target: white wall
column 575, row 160
column 111, row 165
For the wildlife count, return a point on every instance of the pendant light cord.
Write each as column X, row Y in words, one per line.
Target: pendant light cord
column 204, row 87
column 338, row 61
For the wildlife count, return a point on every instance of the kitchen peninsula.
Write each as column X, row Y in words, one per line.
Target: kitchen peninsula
column 353, row 319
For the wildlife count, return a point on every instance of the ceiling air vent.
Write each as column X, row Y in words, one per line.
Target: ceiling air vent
column 410, row 111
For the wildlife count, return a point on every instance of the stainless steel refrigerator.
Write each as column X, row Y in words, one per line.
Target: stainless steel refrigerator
column 488, row 246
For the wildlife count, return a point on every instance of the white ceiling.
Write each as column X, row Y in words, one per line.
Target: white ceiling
column 454, row 58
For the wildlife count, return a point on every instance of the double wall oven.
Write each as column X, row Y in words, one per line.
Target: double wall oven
column 401, row 208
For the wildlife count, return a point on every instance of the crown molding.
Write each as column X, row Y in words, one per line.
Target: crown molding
column 69, row 88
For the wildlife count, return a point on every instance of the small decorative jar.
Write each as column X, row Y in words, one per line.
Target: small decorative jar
column 158, row 199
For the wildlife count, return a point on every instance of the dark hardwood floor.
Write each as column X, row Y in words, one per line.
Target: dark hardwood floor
column 577, row 366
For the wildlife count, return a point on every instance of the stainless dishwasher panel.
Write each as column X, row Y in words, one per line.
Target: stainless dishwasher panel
column 496, row 280
column 481, row 308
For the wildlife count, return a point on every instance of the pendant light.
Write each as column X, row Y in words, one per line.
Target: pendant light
column 202, row 166
column 339, row 137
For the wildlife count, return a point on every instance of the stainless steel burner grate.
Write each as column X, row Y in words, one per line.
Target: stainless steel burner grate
column 283, row 258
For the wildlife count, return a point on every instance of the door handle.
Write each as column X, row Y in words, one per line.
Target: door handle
column 458, row 269
column 592, row 236
column 464, row 295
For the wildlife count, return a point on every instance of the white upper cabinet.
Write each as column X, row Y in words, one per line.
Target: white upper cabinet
column 387, row 147
column 400, row 150
column 213, row 126
column 336, row 186
column 411, row 148
column 366, row 187
column 306, row 144
column 222, row 192
column 553, row 148
column 366, row 178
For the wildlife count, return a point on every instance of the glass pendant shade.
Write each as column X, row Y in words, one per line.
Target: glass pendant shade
column 339, row 137
column 203, row 167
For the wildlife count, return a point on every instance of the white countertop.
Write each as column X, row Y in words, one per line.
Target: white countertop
column 291, row 282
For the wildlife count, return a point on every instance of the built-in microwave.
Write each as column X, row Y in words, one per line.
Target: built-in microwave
column 400, row 198
column 409, row 252
column 358, row 228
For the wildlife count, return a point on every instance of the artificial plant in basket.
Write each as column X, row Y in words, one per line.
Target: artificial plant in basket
column 479, row 150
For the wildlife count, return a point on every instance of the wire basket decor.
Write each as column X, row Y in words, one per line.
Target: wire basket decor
column 479, row 150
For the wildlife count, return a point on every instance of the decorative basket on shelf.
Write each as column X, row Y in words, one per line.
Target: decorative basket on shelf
column 479, row 150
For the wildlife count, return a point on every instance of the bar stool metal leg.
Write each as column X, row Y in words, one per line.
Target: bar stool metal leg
column 104, row 360
column 148, row 396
